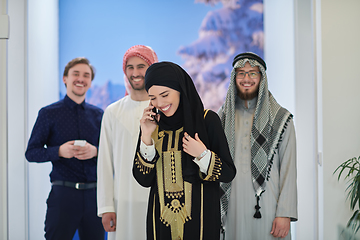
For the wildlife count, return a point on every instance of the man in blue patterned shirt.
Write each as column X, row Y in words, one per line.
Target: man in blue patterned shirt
column 67, row 134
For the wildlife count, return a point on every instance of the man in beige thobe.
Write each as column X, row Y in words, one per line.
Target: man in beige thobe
column 261, row 201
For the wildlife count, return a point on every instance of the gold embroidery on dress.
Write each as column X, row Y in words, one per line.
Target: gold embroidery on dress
column 174, row 210
column 144, row 167
column 174, row 187
column 214, row 170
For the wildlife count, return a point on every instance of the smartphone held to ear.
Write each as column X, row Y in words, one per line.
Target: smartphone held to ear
column 155, row 110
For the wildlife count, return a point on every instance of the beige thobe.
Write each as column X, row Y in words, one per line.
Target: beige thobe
column 280, row 196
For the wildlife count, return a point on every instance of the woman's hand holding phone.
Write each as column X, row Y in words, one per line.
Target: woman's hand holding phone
column 156, row 116
column 148, row 124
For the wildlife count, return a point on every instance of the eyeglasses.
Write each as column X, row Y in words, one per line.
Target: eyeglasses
column 241, row 75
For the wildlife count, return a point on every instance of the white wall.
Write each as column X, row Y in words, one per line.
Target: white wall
column 3, row 126
column 306, row 125
column 279, row 50
column 17, row 81
column 341, row 112
column 317, row 29
column 32, row 83
column 43, row 89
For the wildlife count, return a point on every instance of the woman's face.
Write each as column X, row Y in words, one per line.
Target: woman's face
column 165, row 99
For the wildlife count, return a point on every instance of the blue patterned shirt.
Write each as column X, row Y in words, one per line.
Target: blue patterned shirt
column 61, row 122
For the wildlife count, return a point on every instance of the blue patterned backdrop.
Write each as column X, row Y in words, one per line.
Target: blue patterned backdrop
column 203, row 36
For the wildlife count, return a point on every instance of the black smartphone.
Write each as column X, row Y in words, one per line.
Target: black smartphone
column 155, row 110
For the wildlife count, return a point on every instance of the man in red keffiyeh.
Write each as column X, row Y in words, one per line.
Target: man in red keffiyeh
column 121, row 200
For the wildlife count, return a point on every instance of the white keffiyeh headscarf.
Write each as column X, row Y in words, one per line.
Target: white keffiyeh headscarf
column 269, row 123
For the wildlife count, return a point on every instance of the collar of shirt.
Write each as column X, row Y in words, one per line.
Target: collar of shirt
column 240, row 103
column 71, row 104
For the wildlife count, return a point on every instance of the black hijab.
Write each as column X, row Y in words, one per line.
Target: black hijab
column 190, row 113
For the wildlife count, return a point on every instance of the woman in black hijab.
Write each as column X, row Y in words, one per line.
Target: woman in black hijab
column 182, row 155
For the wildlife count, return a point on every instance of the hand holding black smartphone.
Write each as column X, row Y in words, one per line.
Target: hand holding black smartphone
column 155, row 110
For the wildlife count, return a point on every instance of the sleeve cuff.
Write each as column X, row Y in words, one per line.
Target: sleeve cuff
column 203, row 163
column 105, row 210
column 147, row 152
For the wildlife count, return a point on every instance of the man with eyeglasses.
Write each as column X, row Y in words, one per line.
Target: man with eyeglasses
column 261, row 201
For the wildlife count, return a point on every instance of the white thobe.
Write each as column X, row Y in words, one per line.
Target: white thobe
column 117, row 190
column 280, row 196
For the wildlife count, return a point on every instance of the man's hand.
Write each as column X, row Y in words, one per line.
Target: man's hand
column 86, row 152
column 280, row 227
column 67, row 150
column 109, row 221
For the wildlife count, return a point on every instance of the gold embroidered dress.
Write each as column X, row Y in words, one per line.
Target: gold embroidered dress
column 179, row 209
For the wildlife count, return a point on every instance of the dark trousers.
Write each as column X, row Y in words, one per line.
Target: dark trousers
column 70, row 209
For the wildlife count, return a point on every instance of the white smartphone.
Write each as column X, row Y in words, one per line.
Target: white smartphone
column 80, row 143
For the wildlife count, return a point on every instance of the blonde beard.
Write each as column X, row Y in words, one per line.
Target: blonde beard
column 79, row 95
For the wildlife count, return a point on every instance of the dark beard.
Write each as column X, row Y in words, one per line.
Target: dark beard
column 248, row 96
column 136, row 88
